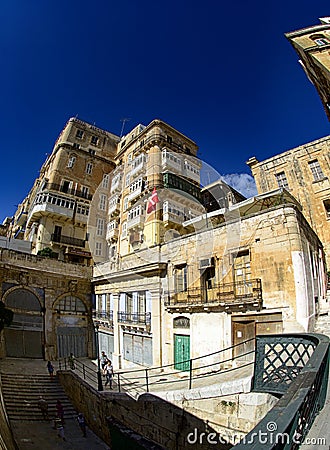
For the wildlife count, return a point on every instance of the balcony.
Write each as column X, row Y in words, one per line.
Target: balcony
column 64, row 189
column 116, row 184
column 114, row 205
column 132, row 195
column 67, row 240
column 104, row 318
column 112, row 231
column 138, row 165
column 134, row 318
column 135, row 222
column 171, row 161
column 229, row 297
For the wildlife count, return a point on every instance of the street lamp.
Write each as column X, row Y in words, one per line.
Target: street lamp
column 99, row 376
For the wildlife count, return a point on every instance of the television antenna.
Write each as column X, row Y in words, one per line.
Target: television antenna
column 126, row 119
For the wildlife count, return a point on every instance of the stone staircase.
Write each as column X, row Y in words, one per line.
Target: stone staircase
column 323, row 324
column 22, row 392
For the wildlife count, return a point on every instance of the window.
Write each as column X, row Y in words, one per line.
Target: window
column 135, row 212
column 98, row 248
column 80, row 134
column 103, row 202
column 282, row 180
column 71, row 304
column 72, row 160
column 84, row 191
column 316, row 170
column 89, row 168
column 76, row 145
column 321, row 41
column 326, row 204
column 94, row 140
column 105, row 181
column 127, row 180
column 100, row 227
column 125, row 203
column 181, row 279
column 124, row 230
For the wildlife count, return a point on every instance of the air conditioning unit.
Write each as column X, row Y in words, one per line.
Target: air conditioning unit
column 205, row 263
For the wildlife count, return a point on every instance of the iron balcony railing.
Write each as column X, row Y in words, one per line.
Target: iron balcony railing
column 134, row 318
column 74, row 192
column 75, row 242
column 226, row 293
column 103, row 315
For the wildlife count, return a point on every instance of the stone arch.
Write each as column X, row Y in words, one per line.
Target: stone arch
column 24, row 337
column 71, row 325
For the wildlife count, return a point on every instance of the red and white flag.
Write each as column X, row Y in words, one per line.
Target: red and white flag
column 152, row 202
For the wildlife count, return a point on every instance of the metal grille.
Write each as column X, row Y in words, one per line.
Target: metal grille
column 279, row 360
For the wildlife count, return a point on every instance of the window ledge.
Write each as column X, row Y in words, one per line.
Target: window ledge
column 318, row 181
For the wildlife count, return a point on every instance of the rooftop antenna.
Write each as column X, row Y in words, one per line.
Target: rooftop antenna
column 126, row 119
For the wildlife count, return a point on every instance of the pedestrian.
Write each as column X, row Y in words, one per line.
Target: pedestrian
column 43, row 406
column 71, row 360
column 50, row 369
column 82, row 423
column 103, row 360
column 108, row 371
column 60, row 428
column 60, row 411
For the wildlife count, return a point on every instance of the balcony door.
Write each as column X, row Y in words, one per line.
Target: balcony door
column 242, row 274
column 57, row 233
column 181, row 352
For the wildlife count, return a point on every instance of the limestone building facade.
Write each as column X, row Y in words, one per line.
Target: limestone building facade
column 254, row 268
column 56, row 212
column 312, row 45
column 305, row 172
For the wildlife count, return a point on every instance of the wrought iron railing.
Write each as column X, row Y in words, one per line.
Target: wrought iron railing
column 75, row 242
column 226, row 293
column 74, row 192
column 296, row 366
column 134, row 318
column 103, row 315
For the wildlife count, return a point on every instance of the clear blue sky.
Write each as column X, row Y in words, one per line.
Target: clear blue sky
column 220, row 72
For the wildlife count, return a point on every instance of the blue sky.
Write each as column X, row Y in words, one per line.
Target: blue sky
column 220, row 72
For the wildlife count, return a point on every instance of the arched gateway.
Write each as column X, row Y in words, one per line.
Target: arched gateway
column 24, row 337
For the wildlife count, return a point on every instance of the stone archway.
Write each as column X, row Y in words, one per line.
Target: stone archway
column 24, row 337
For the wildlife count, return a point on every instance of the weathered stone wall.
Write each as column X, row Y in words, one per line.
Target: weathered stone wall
column 154, row 418
column 49, row 280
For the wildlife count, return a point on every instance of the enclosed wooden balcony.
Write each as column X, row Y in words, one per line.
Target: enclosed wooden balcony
column 236, row 296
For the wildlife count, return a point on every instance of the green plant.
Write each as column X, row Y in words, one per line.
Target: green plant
column 48, row 252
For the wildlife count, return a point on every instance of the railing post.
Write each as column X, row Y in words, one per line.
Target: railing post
column 84, row 374
column 147, row 381
column 190, row 372
column 118, row 382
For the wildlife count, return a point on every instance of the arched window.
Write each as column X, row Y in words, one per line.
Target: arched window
column 72, row 304
column 320, row 39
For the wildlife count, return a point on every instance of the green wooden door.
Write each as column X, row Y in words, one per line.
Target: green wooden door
column 181, row 352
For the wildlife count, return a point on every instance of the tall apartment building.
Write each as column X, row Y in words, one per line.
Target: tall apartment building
column 312, row 45
column 305, row 172
column 56, row 212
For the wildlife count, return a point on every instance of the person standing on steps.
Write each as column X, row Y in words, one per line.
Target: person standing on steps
column 71, row 360
column 60, row 411
column 82, row 423
column 108, row 371
column 43, row 406
column 103, row 360
column 50, row 369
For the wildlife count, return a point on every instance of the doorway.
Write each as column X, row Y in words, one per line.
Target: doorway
column 182, row 352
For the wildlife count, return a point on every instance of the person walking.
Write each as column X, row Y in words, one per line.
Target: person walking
column 60, row 411
column 59, row 428
column 50, row 369
column 71, row 360
column 43, row 406
column 82, row 423
column 108, row 371
column 103, row 360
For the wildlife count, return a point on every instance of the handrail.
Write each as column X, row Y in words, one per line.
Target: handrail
column 288, row 422
column 124, row 380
